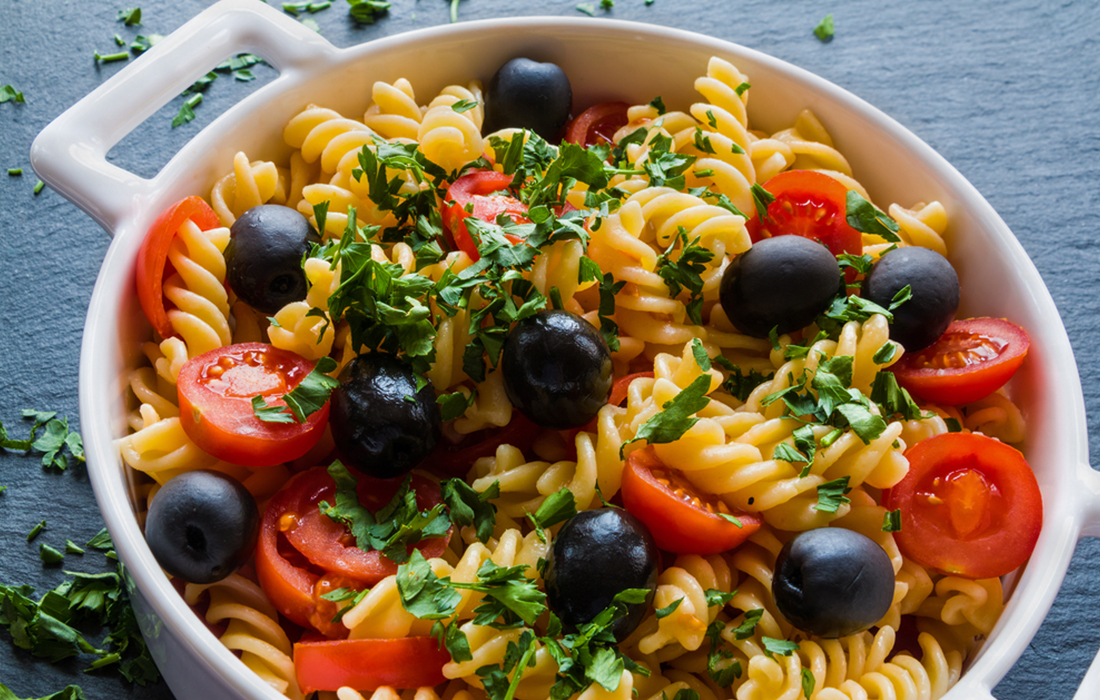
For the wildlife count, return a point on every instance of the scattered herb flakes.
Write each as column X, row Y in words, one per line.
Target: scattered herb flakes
column 825, row 29
column 464, row 106
column 831, row 495
column 368, row 11
column 244, row 75
column 891, row 522
column 69, row 692
column 72, row 548
column 49, row 555
column 130, row 16
column 101, row 541
column 762, row 198
column 668, row 610
column 469, row 507
column 295, row 8
column 112, row 57
column 10, row 94
column 808, row 682
column 36, row 530
column 142, row 43
column 782, row 647
column 302, row 401
column 187, row 111
column 38, row 187
column 953, row 425
column 556, row 508
column 15, row 171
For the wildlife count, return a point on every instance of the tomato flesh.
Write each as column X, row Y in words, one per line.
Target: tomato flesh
column 480, row 192
column 153, row 256
column 971, row 360
column 808, row 204
column 368, row 664
column 597, row 124
column 215, row 399
column 681, row 519
column 970, row 506
column 302, row 554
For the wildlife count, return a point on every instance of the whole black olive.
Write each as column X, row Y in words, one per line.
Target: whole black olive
column 782, row 282
column 596, row 555
column 922, row 319
column 381, row 424
column 202, row 526
column 833, row 582
column 526, row 94
column 264, row 256
column 557, row 369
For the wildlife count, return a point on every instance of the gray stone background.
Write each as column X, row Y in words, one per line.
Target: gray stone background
column 1008, row 92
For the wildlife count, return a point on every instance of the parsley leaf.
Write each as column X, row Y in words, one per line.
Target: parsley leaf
column 130, row 16
column 302, row 401
column 762, row 198
column 677, row 417
column 367, row 11
column 808, row 682
column 748, row 626
column 423, row 594
column 831, row 495
column 556, row 508
column 469, row 507
column 867, row 218
column 685, row 272
column 779, row 646
column 891, row 522
column 824, row 31
column 10, row 94
column 668, row 610
column 464, row 106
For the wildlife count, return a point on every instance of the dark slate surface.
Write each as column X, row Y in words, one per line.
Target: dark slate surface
column 1009, row 92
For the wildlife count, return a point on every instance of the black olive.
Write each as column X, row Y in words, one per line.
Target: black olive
column 833, row 582
column 920, row 321
column 264, row 257
column 782, row 282
column 526, row 94
column 202, row 526
column 596, row 555
column 381, row 424
column 557, row 369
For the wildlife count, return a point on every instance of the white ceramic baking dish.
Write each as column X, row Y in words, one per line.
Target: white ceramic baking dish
column 636, row 63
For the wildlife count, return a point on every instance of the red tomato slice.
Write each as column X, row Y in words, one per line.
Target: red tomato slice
column 302, row 554
column 456, row 460
column 597, row 124
column 970, row 506
column 808, row 204
column 971, row 360
column 480, row 189
column 153, row 257
column 215, row 395
column 368, row 664
column 682, row 519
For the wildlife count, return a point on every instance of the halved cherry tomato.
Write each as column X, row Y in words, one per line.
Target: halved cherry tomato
column 808, row 204
column 481, row 190
column 215, row 398
column 682, row 519
column 970, row 506
column 456, row 460
column 302, row 554
column 971, row 360
column 153, row 257
column 368, row 664
column 597, row 124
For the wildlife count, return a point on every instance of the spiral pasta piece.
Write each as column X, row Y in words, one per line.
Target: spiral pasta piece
column 197, row 289
column 252, row 629
column 251, row 184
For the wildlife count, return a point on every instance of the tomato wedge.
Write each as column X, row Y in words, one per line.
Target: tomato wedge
column 300, row 548
column 808, row 204
column 153, row 256
column 368, row 664
column 215, row 398
column 597, row 124
column 970, row 506
column 971, row 360
column 682, row 519
column 481, row 192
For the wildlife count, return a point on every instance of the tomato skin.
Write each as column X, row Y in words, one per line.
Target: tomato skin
column 597, row 124
column 153, row 256
column 477, row 189
column 970, row 506
column 456, row 460
column 367, row 664
column 677, row 525
column 971, row 360
column 808, row 204
column 320, row 546
column 215, row 394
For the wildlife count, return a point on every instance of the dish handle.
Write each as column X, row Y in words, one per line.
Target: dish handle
column 1089, row 480
column 70, row 153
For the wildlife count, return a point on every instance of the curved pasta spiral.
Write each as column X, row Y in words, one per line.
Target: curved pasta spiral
column 448, row 138
column 684, row 629
column 251, row 184
column 394, row 113
column 196, row 289
column 252, row 629
column 294, row 329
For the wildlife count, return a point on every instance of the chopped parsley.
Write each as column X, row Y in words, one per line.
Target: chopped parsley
column 891, row 522
column 296, row 8
column 49, row 555
column 302, row 401
column 367, row 11
column 10, row 94
column 36, row 530
column 469, row 507
column 685, row 271
column 832, row 494
column 782, row 647
column 867, row 218
column 56, row 442
column 464, row 106
column 112, row 57
column 130, row 16
column 187, row 111
column 677, row 415
column 825, row 29
column 15, row 171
